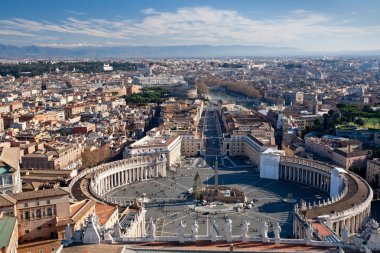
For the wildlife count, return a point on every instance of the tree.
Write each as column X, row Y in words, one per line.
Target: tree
column 317, row 123
column 197, row 186
column 359, row 121
column 367, row 108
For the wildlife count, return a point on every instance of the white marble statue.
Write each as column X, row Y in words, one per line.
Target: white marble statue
column 373, row 236
column 213, row 230
column 117, row 229
column 345, row 234
column 277, row 231
column 309, row 233
column 370, row 237
column 91, row 234
column 152, row 230
column 68, row 233
column 228, row 229
column 365, row 249
column 108, row 237
column 181, row 231
column 194, row 230
column 245, row 230
column 264, row 229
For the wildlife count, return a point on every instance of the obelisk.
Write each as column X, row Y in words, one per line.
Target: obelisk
column 216, row 174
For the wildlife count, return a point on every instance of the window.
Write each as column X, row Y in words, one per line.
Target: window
column 37, row 203
column 26, row 215
column 27, row 231
column 48, row 202
column 38, row 213
column 52, row 249
column 8, row 179
column 49, row 212
column 39, row 228
column 40, row 251
column 26, row 205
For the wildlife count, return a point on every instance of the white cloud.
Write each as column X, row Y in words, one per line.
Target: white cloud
column 149, row 11
column 199, row 25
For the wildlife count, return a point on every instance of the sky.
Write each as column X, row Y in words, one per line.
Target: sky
column 311, row 25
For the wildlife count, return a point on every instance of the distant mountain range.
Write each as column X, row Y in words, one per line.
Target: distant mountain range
column 9, row 51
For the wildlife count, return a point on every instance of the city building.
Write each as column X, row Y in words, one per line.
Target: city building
column 67, row 157
column 373, row 172
column 41, row 214
column 10, row 178
column 157, row 142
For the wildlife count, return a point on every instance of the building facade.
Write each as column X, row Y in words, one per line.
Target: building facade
column 40, row 214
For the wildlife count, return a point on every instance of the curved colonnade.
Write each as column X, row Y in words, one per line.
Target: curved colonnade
column 349, row 206
column 126, row 171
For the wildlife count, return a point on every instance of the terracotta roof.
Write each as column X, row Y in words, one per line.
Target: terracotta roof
column 39, row 194
column 78, row 210
column 6, row 200
column 94, row 248
column 11, row 156
column 351, row 154
column 207, row 246
column 104, row 212
column 62, row 221
column 322, row 230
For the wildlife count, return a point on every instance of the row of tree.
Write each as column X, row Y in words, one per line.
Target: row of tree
column 91, row 158
column 234, row 86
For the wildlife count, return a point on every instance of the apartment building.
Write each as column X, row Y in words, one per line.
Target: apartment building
column 73, row 110
column 41, row 214
column 157, row 142
column 10, row 179
column 356, row 159
column 65, row 157
column 324, row 147
column 373, row 172
column 245, row 145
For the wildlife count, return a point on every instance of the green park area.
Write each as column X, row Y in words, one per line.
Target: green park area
column 372, row 123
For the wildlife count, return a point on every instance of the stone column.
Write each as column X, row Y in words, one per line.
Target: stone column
column 310, row 177
column 337, row 231
column 356, row 223
column 293, row 173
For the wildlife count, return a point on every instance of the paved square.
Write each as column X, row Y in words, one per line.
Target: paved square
column 170, row 202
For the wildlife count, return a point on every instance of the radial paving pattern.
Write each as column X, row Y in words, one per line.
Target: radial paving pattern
column 170, row 203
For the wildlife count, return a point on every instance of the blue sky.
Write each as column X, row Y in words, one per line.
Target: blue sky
column 323, row 25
